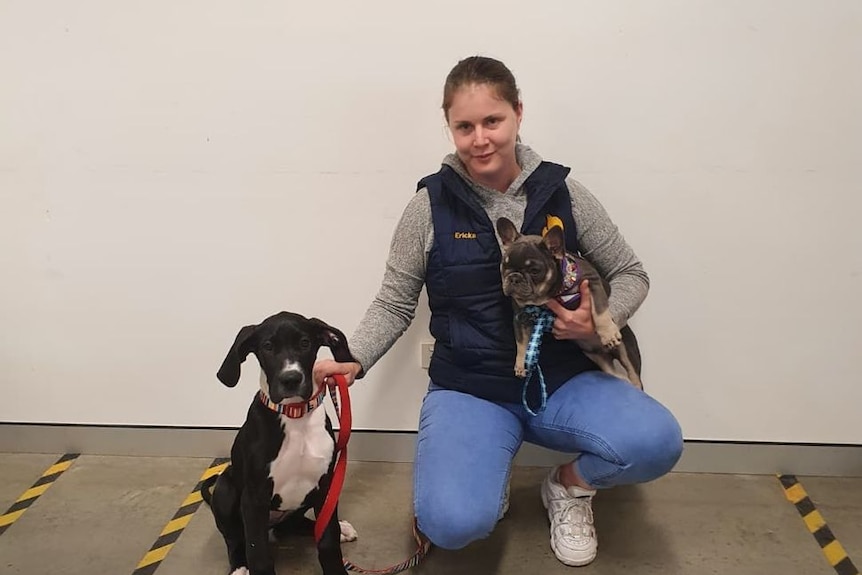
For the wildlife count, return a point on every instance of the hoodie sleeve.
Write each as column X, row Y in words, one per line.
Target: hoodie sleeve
column 603, row 245
column 394, row 307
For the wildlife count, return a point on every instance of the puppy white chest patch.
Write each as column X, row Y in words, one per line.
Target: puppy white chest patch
column 303, row 458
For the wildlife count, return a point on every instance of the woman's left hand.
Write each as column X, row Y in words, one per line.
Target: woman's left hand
column 576, row 323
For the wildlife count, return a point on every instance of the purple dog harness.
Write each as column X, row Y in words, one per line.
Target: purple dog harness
column 570, row 294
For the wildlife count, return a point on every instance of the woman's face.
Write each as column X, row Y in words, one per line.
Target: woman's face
column 485, row 129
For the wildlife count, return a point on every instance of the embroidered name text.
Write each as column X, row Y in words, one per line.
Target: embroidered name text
column 465, row 236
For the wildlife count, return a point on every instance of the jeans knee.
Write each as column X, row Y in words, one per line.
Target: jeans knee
column 455, row 528
column 673, row 446
column 643, row 455
column 661, row 449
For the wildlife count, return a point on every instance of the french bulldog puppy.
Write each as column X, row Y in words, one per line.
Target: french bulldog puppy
column 537, row 268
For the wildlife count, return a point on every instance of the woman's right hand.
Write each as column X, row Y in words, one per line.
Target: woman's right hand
column 577, row 323
column 324, row 369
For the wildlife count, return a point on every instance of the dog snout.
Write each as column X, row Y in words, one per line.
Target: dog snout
column 518, row 284
column 290, row 379
column 289, row 383
column 516, row 279
column 512, row 281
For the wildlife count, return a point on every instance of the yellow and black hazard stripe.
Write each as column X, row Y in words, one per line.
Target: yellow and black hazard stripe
column 180, row 520
column 31, row 495
column 832, row 549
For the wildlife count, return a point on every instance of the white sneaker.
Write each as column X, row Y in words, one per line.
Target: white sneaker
column 504, row 508
column 573, row 537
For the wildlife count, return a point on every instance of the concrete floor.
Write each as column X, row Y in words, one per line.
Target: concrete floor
column 104, row 513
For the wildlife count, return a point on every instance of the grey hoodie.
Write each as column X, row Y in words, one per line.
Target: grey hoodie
column 394, row 307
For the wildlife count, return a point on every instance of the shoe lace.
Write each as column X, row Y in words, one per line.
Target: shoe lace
column 574, row 517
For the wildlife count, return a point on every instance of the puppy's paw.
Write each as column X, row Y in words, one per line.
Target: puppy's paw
column 611, row 339
column 520, row 370
column 348, row 533
column 240, row 571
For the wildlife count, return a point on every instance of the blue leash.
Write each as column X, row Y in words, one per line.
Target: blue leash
column 543, row 320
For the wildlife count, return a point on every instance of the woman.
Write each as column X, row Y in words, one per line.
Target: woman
column 472, row 419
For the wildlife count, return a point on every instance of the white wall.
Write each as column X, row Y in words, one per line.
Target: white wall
column 172, row 171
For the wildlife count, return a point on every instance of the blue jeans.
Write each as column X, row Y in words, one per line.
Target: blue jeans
column 465, row 448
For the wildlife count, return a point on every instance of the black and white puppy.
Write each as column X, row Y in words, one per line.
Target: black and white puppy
column 282, row 458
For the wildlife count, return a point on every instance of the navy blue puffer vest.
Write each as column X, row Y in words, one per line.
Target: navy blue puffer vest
column 471, row 319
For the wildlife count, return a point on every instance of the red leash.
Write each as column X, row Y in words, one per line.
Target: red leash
column 344, row 418
column 422, row 544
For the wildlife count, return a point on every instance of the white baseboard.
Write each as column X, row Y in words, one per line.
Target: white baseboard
column 699, row 456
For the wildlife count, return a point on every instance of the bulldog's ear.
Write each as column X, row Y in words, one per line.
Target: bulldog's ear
column 228, row 373
column 333, row 339
column 507, row 231
column 555, row 241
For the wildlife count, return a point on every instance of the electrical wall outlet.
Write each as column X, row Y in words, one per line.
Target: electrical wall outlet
column 425, row 351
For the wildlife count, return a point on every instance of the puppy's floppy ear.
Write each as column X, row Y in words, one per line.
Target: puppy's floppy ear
column 555, row 241
column 507, row 231
column 333, row 339
column 228, row 373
